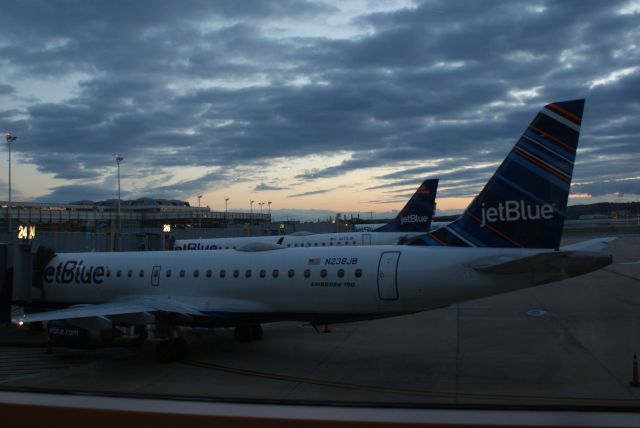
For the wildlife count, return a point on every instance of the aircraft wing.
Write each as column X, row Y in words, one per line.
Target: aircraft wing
column 565, row 264
column 130, row 307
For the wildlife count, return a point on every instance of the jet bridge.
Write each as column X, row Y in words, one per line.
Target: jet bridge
column 21, row 268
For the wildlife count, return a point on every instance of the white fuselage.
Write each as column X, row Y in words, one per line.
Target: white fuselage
column 363, row 283
column 349, row 239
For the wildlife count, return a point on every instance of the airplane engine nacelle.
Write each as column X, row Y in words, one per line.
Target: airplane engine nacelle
column 63, row 333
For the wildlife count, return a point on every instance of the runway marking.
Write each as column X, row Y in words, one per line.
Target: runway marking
column 415, row 392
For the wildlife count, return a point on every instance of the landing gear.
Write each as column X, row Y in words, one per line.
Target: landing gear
column 172, row 346
column 248, row 332
column 169, row 350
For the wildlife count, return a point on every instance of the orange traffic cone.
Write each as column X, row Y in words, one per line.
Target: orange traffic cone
column 634, row 375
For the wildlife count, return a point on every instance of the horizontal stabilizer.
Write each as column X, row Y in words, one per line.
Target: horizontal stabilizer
column 566, row 263
column 597, row 244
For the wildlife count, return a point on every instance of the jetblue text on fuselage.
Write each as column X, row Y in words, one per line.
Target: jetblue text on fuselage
column 74, row 272
column 515, row 211
column 414, row 218
column 196, row 246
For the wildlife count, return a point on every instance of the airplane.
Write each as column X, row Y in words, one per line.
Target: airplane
column 507, row 240
column 414, row 218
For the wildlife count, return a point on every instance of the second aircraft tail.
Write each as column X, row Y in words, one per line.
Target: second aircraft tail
column 417, row 214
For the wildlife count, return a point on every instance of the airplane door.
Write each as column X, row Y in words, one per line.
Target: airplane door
column 366, row 239
column 388, row 275
column 155, row 276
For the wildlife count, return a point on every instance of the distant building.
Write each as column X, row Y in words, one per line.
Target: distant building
column 134, row 214
column 593, row 217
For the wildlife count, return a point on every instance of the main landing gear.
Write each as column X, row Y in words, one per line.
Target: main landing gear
column 248, row 332
column 171, row 346
column 174, row 349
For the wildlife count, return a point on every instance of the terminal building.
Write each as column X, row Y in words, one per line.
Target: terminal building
column 140, row 224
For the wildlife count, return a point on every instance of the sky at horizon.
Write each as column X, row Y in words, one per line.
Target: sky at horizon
column 344, row 106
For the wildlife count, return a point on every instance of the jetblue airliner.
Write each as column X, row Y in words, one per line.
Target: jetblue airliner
column 506, row 240
column 414, row 219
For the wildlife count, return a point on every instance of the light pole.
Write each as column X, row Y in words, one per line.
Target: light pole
column 119, row 159
column 10, row 138
column 261, row 204
column 226, row 215
column 251, row 219
column 199, row 213
column 269, row 204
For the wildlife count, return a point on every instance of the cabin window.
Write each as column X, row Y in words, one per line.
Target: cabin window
column 141, row 273
column 209, row 273
column 119, row 273
column 295, row 245
column 247, row 274
column 291, row 273
column 182, row 273
column 307, row 273
column 196, row 273
column 323, row 273
column 236, row 273
column 323, row 244
column 288, row 245
column 358, row 273
column 338, row 243
column 168, row 274
column 331, row 244
column 275, row 273
column 315, row 244
column 223, row 273
column 340, row 273
column 108, row 273
column 130, row 273
column 263, row 273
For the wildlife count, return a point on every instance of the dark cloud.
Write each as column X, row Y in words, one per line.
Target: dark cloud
column 601, row 188
column 71, row 193
column 6, row 89
column 222, row 85
column 311, row 193
column 262, row 187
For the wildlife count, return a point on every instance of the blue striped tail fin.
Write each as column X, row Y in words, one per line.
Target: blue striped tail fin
column 417, row 214
column 524, row 204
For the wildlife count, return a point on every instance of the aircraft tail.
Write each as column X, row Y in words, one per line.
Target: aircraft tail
column 524, row 204
column 417, row 214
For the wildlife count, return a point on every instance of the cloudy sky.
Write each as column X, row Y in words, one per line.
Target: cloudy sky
column 339, row 105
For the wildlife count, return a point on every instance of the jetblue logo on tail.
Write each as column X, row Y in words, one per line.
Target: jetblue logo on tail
column 414, row 218
column 515, row 211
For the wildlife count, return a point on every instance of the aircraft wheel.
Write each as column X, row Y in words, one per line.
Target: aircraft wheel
column 243, row 333
column 166, row 351
column 182, row 348
column 256, row 332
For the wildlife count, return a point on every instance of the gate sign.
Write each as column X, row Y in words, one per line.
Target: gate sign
column 26, row 232
column 166, row 228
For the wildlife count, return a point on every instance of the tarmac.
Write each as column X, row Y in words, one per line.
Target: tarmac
column 568, row 344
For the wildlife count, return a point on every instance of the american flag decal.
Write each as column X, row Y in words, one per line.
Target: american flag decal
column 314, row 262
